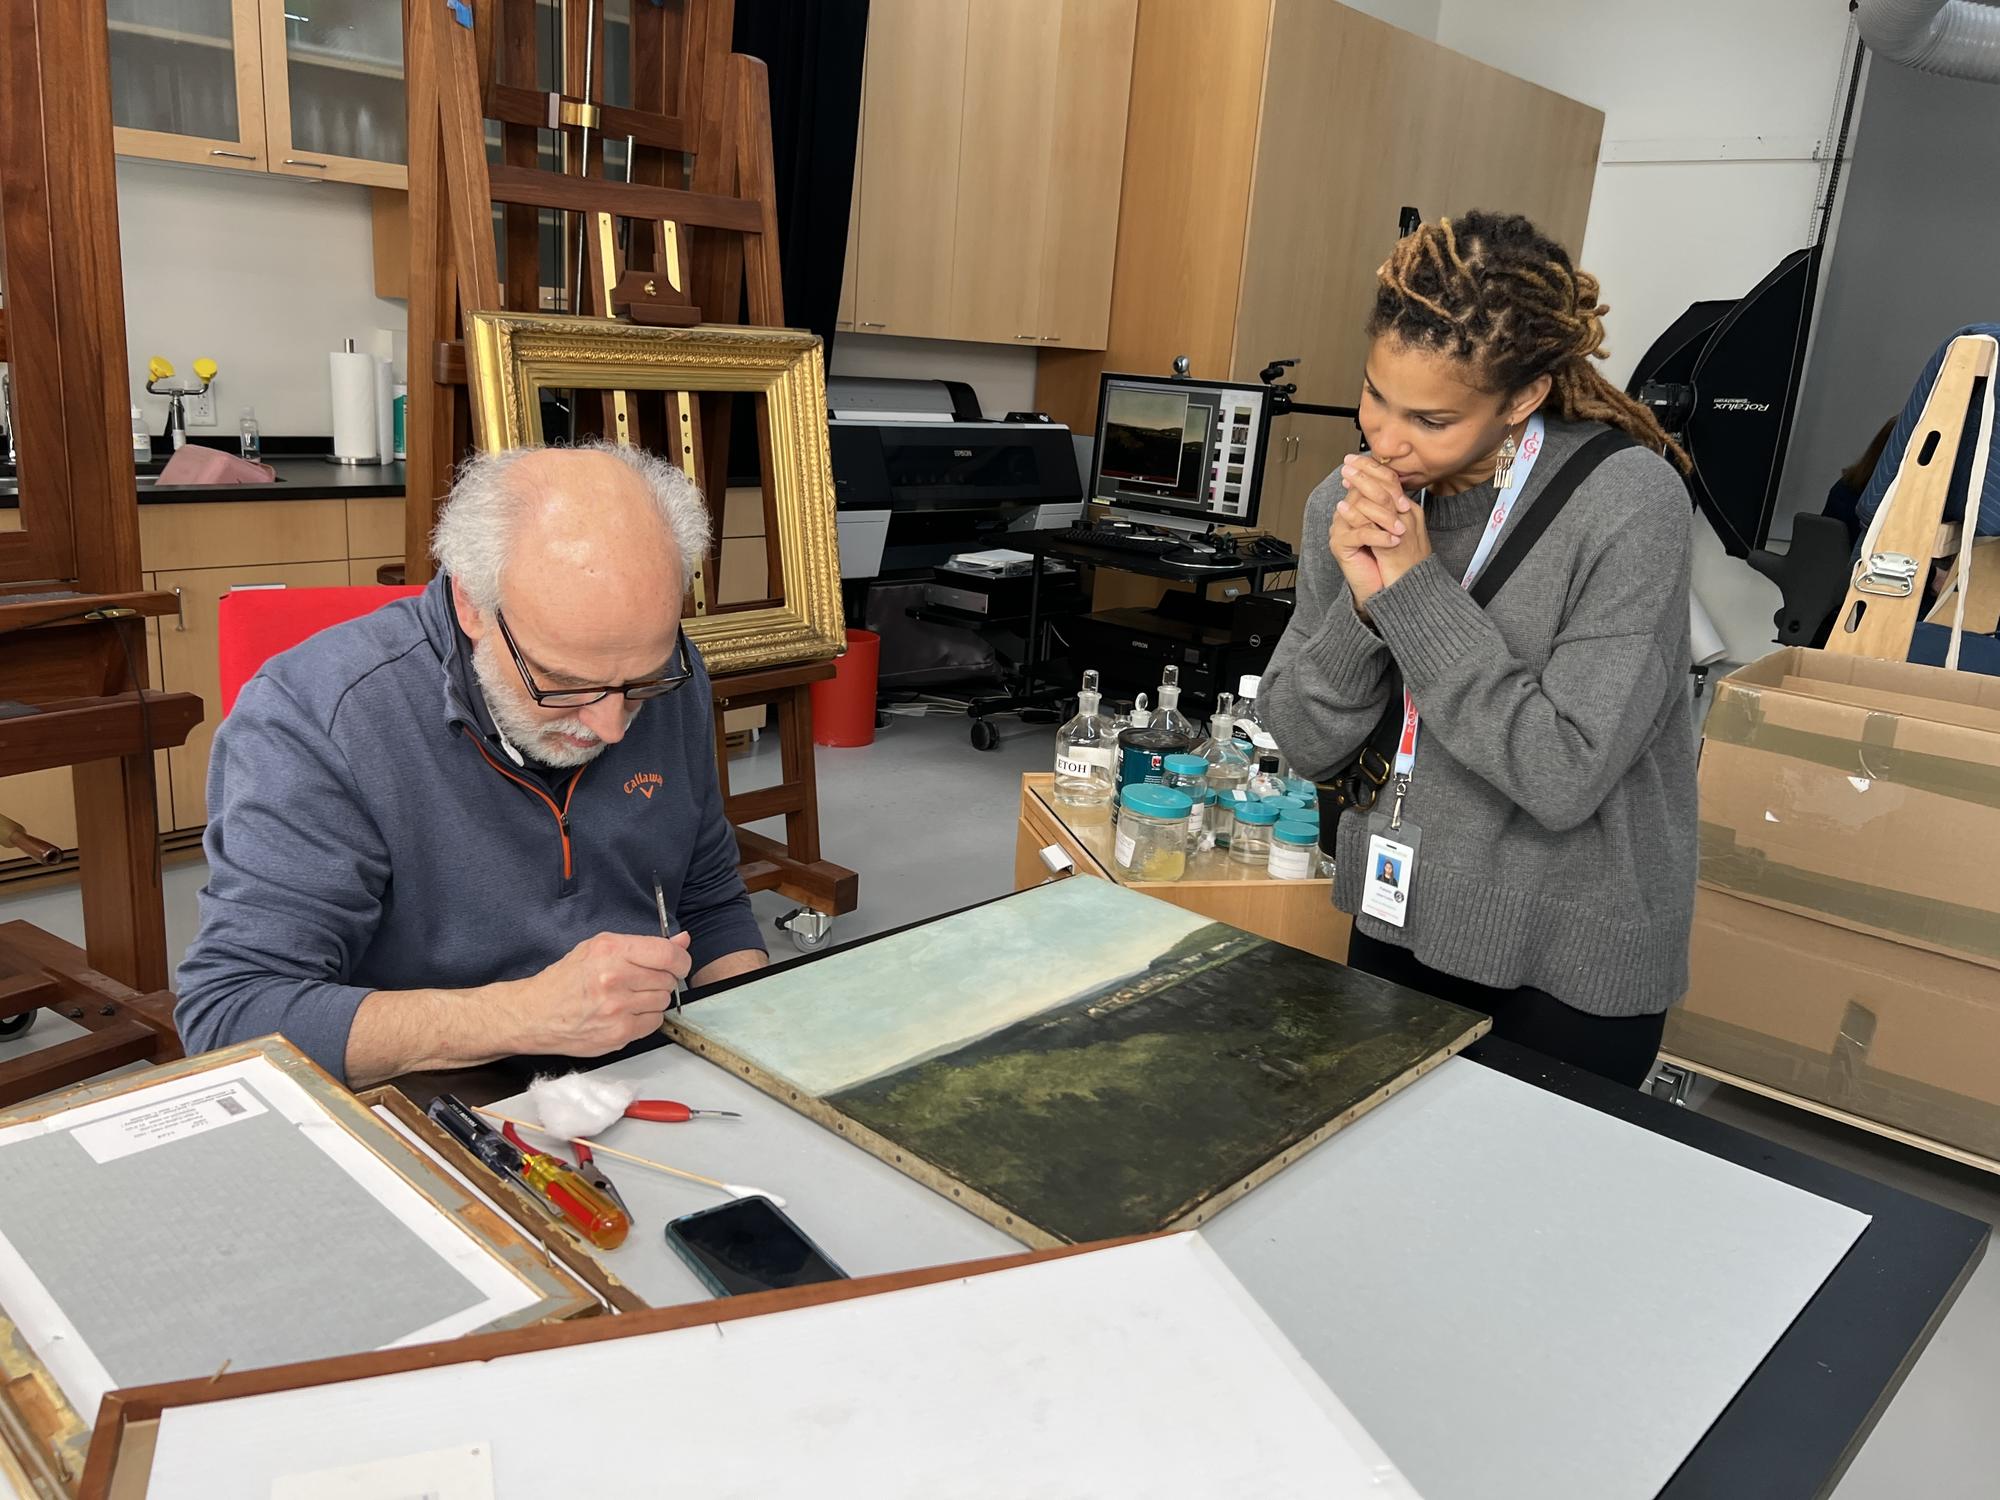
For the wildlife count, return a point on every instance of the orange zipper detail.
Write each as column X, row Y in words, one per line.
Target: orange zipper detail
column 561, row 813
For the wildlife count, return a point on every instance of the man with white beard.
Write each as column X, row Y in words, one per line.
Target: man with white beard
column 434, row 831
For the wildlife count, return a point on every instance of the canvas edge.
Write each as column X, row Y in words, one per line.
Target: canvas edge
column 1209, row 1207
column 909, row 1163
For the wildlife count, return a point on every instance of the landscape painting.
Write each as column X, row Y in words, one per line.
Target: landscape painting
column 1079, row 1061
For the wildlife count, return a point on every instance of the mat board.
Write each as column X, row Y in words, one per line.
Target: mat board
column 1077, row 1061
column 222, row 1217
column 1141, row 1369
column 1483, row 1267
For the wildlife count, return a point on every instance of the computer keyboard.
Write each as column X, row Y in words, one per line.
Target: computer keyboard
column 1121, row 539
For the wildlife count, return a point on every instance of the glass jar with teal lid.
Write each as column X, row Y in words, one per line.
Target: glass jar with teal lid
column 1152, row 831
column 1285, row 804
column 1189, row 773
column 1294, row 850
column 1250, row 843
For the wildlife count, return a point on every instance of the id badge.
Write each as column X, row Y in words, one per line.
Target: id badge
column 1391, row 870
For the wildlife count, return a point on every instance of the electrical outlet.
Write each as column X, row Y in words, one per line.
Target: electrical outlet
column 200, row 409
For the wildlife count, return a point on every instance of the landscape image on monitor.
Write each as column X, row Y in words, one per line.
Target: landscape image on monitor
column 1145, row 436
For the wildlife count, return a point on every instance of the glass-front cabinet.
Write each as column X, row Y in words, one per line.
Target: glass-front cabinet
column 187, row 81
column 333, row 90
column 303, row 88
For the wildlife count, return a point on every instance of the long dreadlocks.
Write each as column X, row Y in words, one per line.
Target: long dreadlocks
column 1493, row 290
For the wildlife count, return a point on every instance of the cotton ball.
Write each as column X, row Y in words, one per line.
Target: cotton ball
column 577, row 1105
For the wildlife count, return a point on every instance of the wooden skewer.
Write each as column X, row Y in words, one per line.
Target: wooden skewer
column 734, row 1189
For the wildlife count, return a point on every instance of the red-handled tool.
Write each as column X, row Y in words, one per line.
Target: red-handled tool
column 673, row 1112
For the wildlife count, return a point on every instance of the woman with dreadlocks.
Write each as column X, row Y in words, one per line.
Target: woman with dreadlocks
column 1486, row 669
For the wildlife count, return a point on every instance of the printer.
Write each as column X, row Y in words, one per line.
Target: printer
column 919, row 474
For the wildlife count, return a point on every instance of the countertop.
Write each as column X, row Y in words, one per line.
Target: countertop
column 298, row 478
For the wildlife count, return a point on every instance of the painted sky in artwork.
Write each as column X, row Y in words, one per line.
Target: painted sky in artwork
column 850, row 1016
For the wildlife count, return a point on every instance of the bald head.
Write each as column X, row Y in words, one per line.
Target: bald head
column 587, row 524
column 599, row 513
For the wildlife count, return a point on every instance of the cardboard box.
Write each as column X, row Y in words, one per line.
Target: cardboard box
column 1897, row 1036
column 1865, row 794
column 1847, row 932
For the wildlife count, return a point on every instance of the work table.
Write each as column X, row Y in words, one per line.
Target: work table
column 298, row 478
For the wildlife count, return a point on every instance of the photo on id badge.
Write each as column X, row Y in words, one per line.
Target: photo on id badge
column 1392, row 859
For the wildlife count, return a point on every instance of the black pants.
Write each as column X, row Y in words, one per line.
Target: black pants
column 1621, row 1048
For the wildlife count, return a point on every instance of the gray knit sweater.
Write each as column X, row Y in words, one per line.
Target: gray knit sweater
column 1555, row 778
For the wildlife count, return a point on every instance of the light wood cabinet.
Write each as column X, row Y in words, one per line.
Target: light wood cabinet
column 1271, row 147
column 314, row 92
column 988, row 176
column 1298, row 913
column 907, row 166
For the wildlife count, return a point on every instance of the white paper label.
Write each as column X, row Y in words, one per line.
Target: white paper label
column 167, row 1120
column 1079, row 766
column 1289, row 862
column 1197, row 819
column 1126, row 849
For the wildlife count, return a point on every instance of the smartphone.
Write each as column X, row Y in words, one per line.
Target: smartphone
column 748, row 1246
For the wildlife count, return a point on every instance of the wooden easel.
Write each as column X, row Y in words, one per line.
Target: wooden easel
column 72, row 610
column 1880, row 612
column 701, row 114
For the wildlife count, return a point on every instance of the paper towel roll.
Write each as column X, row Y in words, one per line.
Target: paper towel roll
column 1705, row 643
column 353, row 379
column 385, row 409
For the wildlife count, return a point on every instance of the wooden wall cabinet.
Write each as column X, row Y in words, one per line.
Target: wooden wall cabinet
column 1271, row 146
column 314, row 92
column 988, row 177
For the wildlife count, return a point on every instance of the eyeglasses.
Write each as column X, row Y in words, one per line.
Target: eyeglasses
column 651, row 687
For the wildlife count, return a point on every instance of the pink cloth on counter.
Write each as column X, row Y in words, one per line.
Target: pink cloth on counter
column 195, row 465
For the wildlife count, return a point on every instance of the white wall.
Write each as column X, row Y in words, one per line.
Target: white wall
column 263, row 274
column 1913, row 262
column 1712, row 110
column 1003, row 376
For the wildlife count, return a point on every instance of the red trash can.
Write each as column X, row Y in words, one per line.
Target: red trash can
column 844, row 704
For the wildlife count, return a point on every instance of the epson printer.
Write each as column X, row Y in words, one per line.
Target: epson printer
column 919, row 474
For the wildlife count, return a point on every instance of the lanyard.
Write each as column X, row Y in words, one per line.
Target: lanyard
column 1503, row 506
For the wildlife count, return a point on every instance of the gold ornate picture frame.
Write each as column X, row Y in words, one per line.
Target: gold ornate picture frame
column 514, row 357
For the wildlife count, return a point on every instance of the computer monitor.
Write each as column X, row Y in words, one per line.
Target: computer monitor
column 1185, row 454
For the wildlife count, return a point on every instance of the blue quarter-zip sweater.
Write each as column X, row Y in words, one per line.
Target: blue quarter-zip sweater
column 367, row 832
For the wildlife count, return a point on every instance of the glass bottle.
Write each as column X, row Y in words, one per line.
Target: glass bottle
column 1253, row 736
column 1141, row 717
column 1084, row 754
column 1143, row 749
column 1189, row 773
column 249, row 440
column 1266, row 781
column 1170, row 714
column 1228, row 770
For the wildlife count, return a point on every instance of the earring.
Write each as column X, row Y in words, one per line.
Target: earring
column 1503, row 464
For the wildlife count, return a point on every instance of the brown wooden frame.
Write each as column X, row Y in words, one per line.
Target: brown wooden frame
column 38, row 1419
column 78, row 659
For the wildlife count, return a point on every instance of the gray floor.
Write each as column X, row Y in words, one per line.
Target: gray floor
column 929, row 824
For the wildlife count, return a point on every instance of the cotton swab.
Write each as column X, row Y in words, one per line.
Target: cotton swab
column 733, row 1189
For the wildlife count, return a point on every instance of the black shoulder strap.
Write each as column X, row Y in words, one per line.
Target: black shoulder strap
column 1542, row 514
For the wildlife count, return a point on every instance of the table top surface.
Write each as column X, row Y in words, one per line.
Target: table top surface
column 299, row 477
column 1790, row 1431
column 1054, row 544
column 1099, row 839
